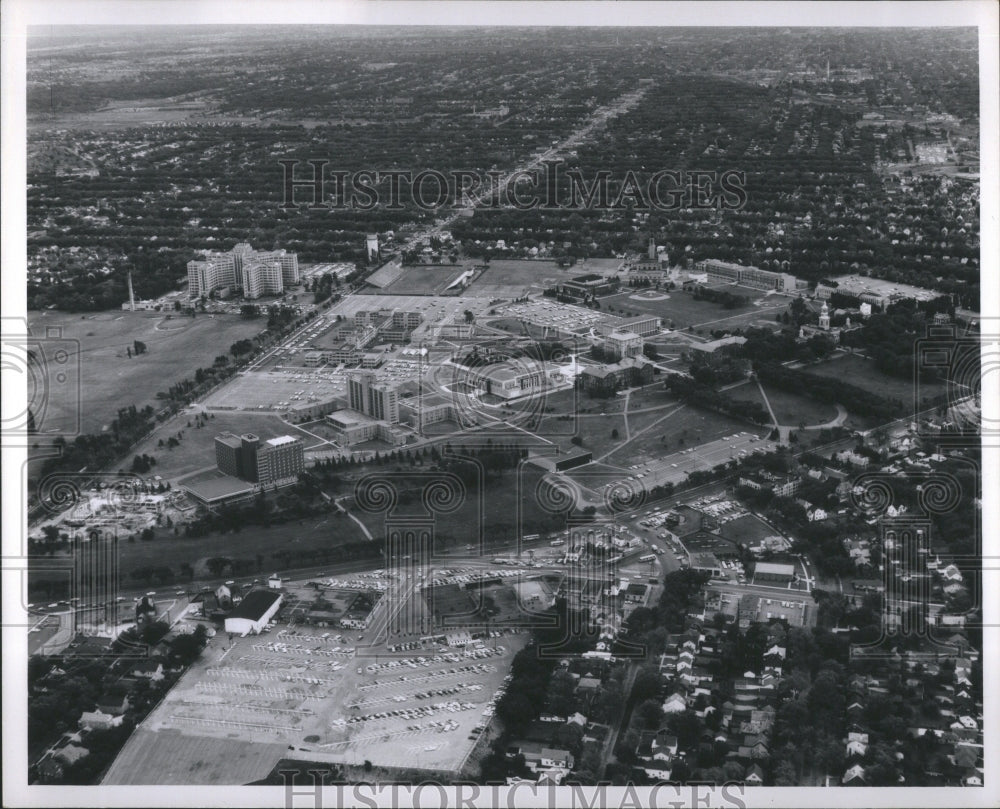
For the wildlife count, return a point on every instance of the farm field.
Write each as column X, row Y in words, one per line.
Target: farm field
column 109, row 380
column 683, row 310
column 862, row 372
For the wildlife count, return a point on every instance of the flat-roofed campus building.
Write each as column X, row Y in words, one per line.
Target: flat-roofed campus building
column 644, row 325
column 754, row 277
column 622, row 344
column 261, row 277
column 217, row 489
column 352, row 427
column 427, row 410
column 508, row 380
column 588, row 284
column 246, row 457
column 280, row 459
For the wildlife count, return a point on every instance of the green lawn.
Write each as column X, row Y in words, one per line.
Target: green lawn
column 790, row 409
column 862, row 372
column 685, row 428
column 749, row 530
column 108, row 379
column 197, row 447
column 683, row 310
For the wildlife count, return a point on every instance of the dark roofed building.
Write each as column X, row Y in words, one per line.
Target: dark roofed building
column 253, row 612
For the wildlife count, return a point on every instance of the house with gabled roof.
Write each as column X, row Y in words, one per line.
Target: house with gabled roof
column 854, row 776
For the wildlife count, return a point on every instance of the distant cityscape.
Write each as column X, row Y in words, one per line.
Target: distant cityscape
column 521, row 497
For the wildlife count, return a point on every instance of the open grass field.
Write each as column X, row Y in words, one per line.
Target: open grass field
column 862, row 372
column 597, row 421
column 166, row 549
column 108, row 379
column 686, row 427
column 197, row 446
column 505, row 507
column 681, row 309
column 790, row 409
column 748, row 530
column 511, row 278
column 425, row 280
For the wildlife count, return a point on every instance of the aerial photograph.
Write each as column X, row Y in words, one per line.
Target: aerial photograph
column 543, row 407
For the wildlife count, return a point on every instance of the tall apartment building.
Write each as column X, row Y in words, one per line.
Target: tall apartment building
column 257, row 273
column 261, row 277
column 247, row 458
column 379, row 400
column 210, row 272
column 227, row 454
column 281, row 458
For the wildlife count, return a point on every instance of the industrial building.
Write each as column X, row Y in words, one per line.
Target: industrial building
column 254, row 611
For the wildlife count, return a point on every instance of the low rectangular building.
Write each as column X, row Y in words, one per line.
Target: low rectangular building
column 771, row 571
column 253, row 612
column 353, row 428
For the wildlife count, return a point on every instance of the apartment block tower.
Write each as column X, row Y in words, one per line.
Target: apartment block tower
column 264, row 462
column 379, row 400
column 257, row 273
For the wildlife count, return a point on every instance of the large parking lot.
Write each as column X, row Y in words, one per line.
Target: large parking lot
column 417, row 702
column 563, row 316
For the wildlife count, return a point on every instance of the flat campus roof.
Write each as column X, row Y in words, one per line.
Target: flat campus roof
column 217, row 487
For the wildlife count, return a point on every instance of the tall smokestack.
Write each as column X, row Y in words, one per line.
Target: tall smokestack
column 652, row 248
column 131, row 292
